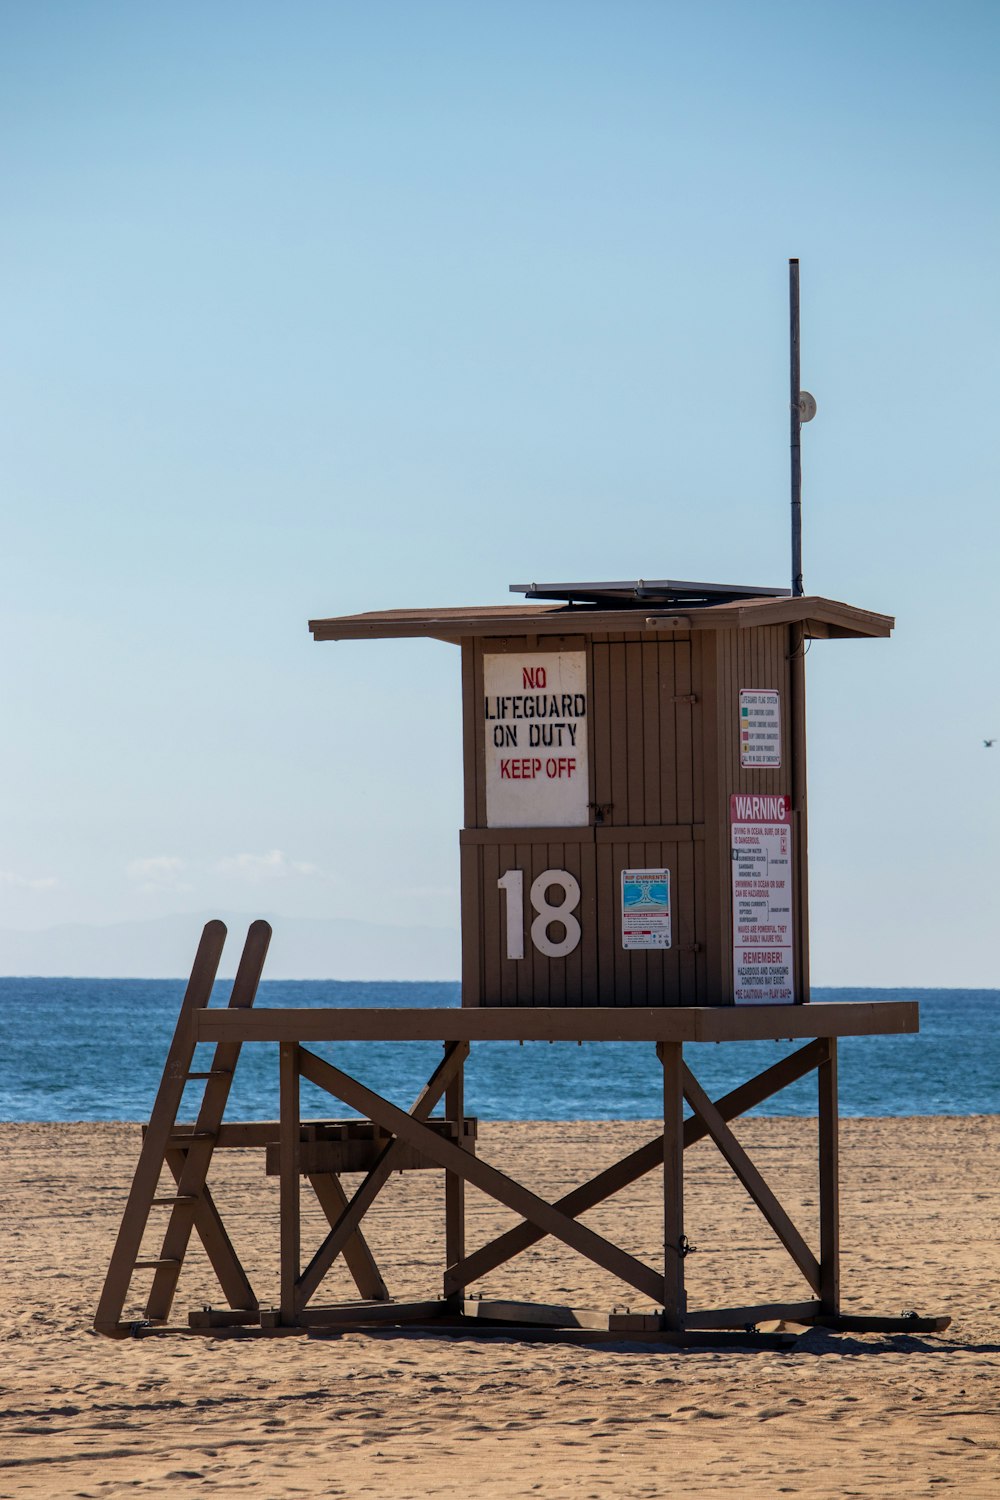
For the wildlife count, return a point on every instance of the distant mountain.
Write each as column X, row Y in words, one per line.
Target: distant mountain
column 301, row 948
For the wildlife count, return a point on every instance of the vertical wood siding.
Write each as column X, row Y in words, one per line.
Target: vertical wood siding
column 648, row 796
column 663, row 726
column 647, row 734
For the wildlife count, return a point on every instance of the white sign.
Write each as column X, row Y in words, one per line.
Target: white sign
column 762, row 899
column 535, row 726
column 645, row 908
column 760, row 729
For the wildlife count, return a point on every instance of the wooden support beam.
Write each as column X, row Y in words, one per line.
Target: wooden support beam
column 221, row 1317
column 674, row 1243
column 752, row 1180
column 829, row 1182
column 243, row 1135
column 357, row 1157
column 289, row 1139
column 759, row 1312
column 454, row 1186
column 488, row 1179
column 357, row 1314
column 531, row 1333
column 718, row 1023
column 647, row 1158
column 348, row 1221
column 540, row 1314
column 863, row 1323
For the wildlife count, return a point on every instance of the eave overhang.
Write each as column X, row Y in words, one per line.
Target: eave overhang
column 821, row 619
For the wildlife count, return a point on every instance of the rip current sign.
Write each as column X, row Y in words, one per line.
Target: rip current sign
column 761, row 843
column 646, row 908
column 535, row 727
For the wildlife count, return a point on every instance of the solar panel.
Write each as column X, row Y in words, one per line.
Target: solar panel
column 648, row 592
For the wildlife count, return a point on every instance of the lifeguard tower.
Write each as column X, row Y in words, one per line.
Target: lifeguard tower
column 633, row 867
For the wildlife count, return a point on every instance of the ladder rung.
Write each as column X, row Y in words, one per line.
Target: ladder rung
column 212, row 1073
column 193, row 1135
column 177, row 1198
column 154, row 1265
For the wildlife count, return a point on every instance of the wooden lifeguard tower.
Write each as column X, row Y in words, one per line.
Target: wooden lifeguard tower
column 633, row 868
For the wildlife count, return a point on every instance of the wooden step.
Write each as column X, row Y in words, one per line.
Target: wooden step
column 154, row 1265
column 212, row 1073
column 177, row 1198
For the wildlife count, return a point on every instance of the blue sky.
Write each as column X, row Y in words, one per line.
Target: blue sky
column 316, row 308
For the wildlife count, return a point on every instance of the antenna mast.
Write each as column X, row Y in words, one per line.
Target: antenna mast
column 795, row 416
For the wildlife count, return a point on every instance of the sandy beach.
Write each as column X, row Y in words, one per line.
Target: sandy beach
column 404, row 1415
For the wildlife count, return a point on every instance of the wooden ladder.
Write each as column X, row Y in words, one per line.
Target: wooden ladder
column 187, row 1157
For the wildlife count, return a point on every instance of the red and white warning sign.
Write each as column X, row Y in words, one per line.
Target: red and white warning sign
column 761, row 841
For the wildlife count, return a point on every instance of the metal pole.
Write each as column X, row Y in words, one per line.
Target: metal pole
column 796, row 426
column 796, row 637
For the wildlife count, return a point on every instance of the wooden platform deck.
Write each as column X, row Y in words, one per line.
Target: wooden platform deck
column 389, row 1138
column 677, row 1024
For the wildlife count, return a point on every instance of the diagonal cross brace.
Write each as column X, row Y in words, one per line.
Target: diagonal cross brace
column 752, row 1180
column 629, row 1169
column 360, row 1261
column 488, row 1179
column 347, row 1223
column 218, row 1246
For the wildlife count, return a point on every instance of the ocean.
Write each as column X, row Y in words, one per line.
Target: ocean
column 93, row 1049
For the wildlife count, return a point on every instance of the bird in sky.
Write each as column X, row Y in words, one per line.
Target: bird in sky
column 989, row 743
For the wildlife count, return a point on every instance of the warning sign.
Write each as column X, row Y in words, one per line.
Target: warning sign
column 760, row 729
column 535, row 725
column 645, row 908
column 761, row 842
